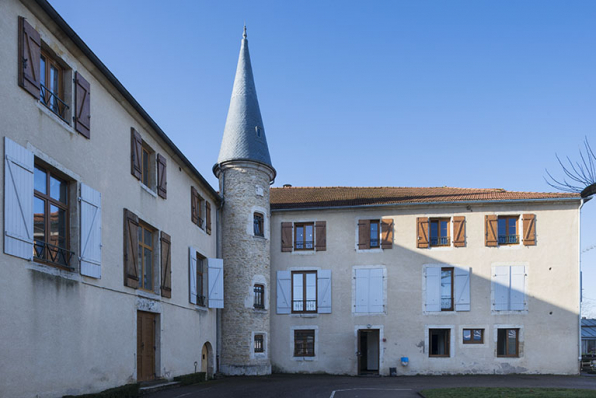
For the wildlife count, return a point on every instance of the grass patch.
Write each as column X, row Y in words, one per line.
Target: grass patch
column 192, row 378
column 126, row 391
column 485, row 392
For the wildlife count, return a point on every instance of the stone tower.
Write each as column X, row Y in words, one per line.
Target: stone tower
column 245, row 173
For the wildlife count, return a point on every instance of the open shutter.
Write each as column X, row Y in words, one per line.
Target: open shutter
column 162, row 180
column 166, row 265
column 490, row 233
column 462, row 289
column 459, row 231
column 433, row 289
column 501, row 283
column 375, row 291
column 363, row 234
column 192, row 274
column 324, row 291
column 194, row 205
column 321, row 236
column 529, row 229
column 216, row 282
column 82, row 106
column 208, row 217
column 29, row 59
column 422, row 232
column 284, row 292
column 286, row 237
column 136, row 153
column 517, row 293
column 18, row 200
column 131, row 249
column 362, row 285
column 90, row 232
column 387, row 233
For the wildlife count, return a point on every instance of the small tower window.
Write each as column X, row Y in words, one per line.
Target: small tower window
column 258, row 130
column 259, row 343
column 258, row 224
column 259, row 296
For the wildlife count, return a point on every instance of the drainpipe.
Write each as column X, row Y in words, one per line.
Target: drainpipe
column 218, row 254
column 579, row 250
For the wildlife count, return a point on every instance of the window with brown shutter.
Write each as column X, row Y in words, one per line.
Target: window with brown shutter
column 29, row 58
column 131, row 249
column 422, row 232
column 490, row 233
column 82, row 106
column 363, row 234
column 194, row 205
column 321, row 235
column 286, row 237
column 387, row 233
column 208, row 217
column 136, row 153
column 162, row 180
column 166, row 265
column 459, row 231
column 529, row 229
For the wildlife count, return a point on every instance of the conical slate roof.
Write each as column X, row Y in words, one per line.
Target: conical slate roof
column 244, row 133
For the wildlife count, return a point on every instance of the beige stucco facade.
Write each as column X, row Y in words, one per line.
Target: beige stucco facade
column 548, row 325
column 65, row 333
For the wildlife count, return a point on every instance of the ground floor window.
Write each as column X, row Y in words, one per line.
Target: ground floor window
column 259, row 343
column 438, row 342
column 304, row 343
column 473, row 336
column 508, row 343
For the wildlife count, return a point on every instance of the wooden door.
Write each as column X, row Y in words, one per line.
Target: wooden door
column 145, row 346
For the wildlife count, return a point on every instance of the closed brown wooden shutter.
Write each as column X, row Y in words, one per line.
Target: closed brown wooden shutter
column 162, row 177
column 321, row 236
column 422, row 232
column 387, row 233
column 131, row 249
column 529, row 229
column 136, row 153
column 166, row 265
column 82, row 106
column 286, row 237
column 490, row 233
column 208, row 217
column 194, row 205
column 29, row 58
column 459, row 231
column 363, row 234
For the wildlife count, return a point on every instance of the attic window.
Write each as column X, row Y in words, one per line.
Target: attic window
column 258, row 130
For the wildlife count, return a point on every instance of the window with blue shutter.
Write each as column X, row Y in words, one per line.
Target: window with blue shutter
column 90, row 232
column 508, row 288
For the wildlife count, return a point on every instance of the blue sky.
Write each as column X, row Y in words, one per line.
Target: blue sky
column 353, row 93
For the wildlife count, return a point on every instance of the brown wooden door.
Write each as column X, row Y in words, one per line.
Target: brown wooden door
column 145, row 346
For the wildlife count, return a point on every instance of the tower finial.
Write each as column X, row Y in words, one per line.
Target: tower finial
column 244, row 34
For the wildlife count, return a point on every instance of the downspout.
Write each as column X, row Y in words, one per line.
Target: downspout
column 219, row 254
column 579, row 252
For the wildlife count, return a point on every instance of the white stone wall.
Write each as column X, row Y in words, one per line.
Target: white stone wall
column 549, row 328
column 63, row 333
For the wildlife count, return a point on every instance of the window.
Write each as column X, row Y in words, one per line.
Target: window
column 369, row 290
column 258, row 224
column 304, row 236
column 147, row 166
column 259, row 296
column 196, row 207
column 508, row 342
column 51, row 219
column 51, row 92
column 473, row 336
column 304, row 343
column 145, row 257
column 439, row 231
column 146, row 160
column 508, row 288
column 259, row 343
column 373, row 234
column 507, row 230
column 304, row 291
column 438, row 341
column 200, row 280
column 447, row 289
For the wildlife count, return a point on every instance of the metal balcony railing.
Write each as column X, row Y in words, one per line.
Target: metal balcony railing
column 304, row 245
column 446, row 303
column 53, row 102
column 52, row 254
column 200, row 300
column 508, row 239
column 439, row 241
column 298, row 305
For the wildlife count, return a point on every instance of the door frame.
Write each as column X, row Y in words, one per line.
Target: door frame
column 359, row 331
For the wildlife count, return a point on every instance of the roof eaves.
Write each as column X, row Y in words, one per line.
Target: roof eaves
column 53, row 14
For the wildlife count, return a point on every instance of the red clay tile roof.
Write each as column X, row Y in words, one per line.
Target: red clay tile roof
column 311, row 197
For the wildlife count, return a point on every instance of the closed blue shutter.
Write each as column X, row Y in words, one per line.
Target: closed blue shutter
column 90, row 232
column 501, row 288
column 462, row 289
column 518, row 286
column 362, row 285
column 375, row 291
column 284, row 292
column 216, row 283
column 324, row 291
column 193, row 274
column 433, row 289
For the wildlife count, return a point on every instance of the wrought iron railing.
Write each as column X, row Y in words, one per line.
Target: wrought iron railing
column 374, row 242
column 298, row 305
column 52, row 254
column 53, row 102
column 446, row 303
column 508, row 239
column 304, row 245
column 201, row 300
column 200, row 222
column 439, row 241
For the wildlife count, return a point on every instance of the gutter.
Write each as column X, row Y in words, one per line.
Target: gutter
column 58, row 20
column 463, row 202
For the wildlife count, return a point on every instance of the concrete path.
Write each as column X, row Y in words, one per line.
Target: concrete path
column 322, row 386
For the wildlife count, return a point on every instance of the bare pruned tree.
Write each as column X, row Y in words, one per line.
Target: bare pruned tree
column 579, row 175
